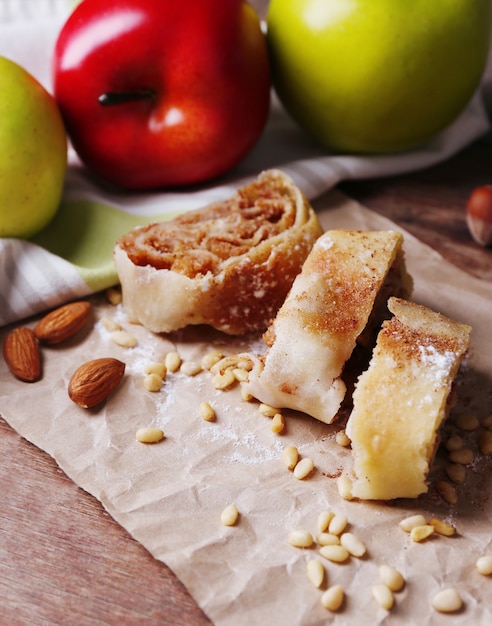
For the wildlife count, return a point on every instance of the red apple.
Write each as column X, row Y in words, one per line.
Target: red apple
column 159, row 93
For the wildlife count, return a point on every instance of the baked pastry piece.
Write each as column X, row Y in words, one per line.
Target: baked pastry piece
column 229, row 264
column 402, row 399
column 343, row 287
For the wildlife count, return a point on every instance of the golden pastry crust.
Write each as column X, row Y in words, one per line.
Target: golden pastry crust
column 402, row 399
column 229, row 265
column 324, row 315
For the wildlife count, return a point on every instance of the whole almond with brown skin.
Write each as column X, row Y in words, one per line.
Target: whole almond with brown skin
column 63, row 322
column 22, row 355
column 93, row 381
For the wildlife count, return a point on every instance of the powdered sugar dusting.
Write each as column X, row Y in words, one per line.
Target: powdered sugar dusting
column 440, row 361
column 325, row 242
column 247, row 447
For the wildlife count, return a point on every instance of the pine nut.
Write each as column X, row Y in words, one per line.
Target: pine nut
column 206, row 411
column 223, row 380
column 303, row 468
column 442, row 527
column 484, row 565
column 245, row 395
column 447, row 492
column 315, row 572
column 344, row 486
column 190, row 368
column 420, row 533
column 485, row 442
column 244, row 362
column 278, row 423
column 290, row 456
column 447, row 601
column 211, row 358
column 328, row 539
column 342, row 438
column 222, row 364
column 463, row 456
column 411, row 522
column 455, row 442
column 240, row 374
column 267, row 410
column 384, row 596
column 230, row 362
column 391, row 577
column 300, row 539
column 455, row 472
column 109, row 324
column 153, row 382
column 158, row 368
column 229, row 515
column 149, row 434
column 338, row 524
column 172, row 361
column 352, row 544
column 467, row 421
column 324, row 519
column 335, row 553
column 124, row 339
column 113, row 295
column 332, row 598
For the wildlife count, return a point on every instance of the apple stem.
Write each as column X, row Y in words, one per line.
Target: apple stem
column 112, row 98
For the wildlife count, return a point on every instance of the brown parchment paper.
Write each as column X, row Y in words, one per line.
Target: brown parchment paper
column 169, row 496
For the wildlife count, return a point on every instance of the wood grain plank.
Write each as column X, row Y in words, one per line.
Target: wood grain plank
column 64, row 560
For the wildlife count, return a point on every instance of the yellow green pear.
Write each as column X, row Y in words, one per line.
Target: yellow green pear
column 33, row 155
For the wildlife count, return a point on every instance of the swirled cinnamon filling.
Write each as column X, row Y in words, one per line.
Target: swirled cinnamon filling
column 199, row 241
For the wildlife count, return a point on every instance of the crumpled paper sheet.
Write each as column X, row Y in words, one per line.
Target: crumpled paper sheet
column 169, row 495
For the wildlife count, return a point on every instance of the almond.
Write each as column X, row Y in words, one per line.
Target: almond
column 22, row 354
column 93, row 381
column 62, row 323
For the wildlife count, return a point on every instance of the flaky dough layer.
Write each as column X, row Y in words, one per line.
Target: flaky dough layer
column 229, row 265
column 401, row 400
column 325, row 314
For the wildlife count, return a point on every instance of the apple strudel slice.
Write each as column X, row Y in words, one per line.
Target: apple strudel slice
column 344, row 286
column 229, row 265
column 401, row 400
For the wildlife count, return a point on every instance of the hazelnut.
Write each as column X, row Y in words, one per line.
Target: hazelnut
column 479, row 215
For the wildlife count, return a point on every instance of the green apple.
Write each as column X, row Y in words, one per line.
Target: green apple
column 33, row 155
column 377, row 76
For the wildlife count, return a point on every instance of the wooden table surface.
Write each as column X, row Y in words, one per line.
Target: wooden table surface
column 64, row 561
column 431, row 204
